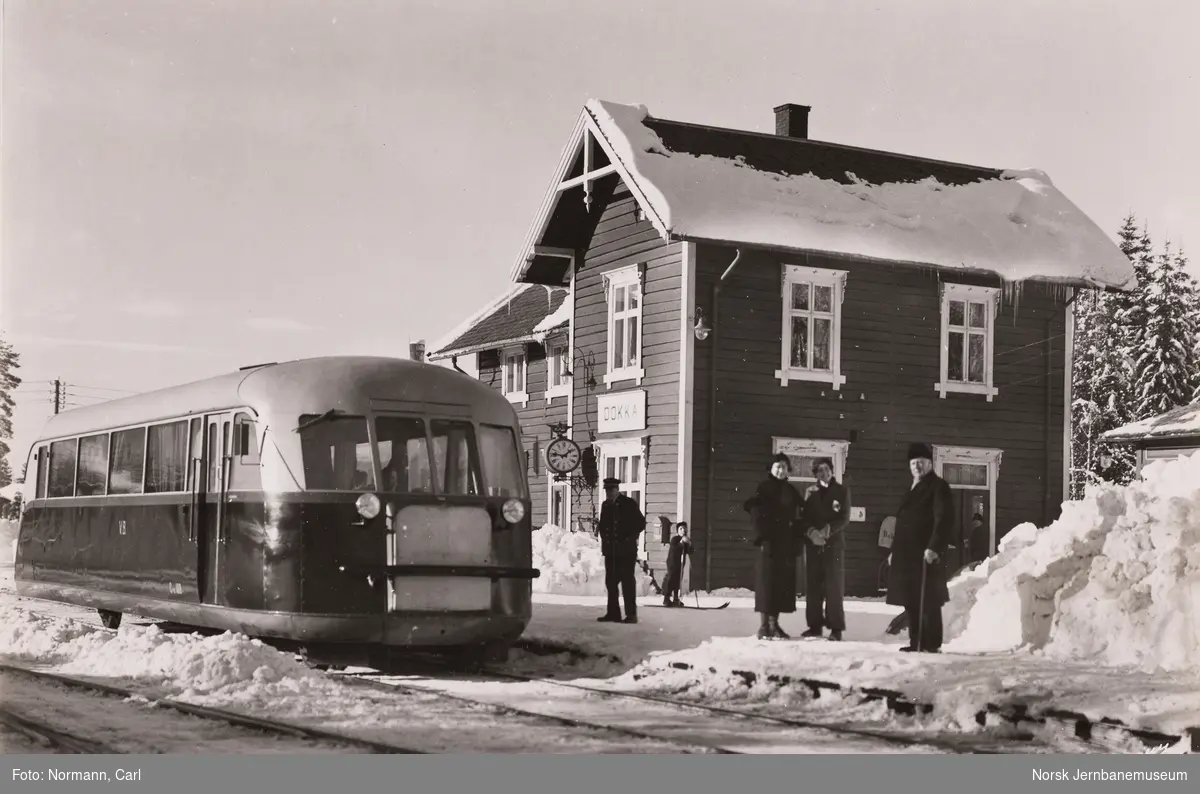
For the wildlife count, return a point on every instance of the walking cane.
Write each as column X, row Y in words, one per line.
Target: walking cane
column 921, row 606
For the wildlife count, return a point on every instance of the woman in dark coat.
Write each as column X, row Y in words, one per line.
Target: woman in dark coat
column 924, row 524
column 776, row 510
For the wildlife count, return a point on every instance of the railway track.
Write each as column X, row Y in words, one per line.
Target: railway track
column 35, row 728
column 750, row 730
column 47, row 735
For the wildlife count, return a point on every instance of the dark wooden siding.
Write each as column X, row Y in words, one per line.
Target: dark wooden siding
column 536, row 417
column 620, row 240
column 890, row 358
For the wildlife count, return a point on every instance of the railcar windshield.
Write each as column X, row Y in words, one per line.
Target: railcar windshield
column 502, row 469
column 403, row 455
column 455, row 458
column 336, row 452
column 440, row 456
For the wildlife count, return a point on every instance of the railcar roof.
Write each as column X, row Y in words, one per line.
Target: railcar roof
column 313, row 385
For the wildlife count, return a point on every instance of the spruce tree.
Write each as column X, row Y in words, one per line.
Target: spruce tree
column 1163, row 366
column 9, row 363
column 1107, row 331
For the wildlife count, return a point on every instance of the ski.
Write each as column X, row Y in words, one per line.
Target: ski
column 686, row 606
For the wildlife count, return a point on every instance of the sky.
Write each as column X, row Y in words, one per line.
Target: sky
column 192, row 186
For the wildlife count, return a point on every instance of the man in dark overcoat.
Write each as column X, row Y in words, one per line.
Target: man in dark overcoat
column 826, row 513
column 621, row 523
column 775, row 508
column 924, row 524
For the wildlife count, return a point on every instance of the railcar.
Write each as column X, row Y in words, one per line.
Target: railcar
column 352, row 505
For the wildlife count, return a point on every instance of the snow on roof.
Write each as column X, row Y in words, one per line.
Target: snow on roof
column 1177, row 423
column 460, row 329
column 511, row 319
column 1015, row 224
column 559, row 318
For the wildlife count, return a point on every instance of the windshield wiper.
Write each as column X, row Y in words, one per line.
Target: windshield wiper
column 330, row 414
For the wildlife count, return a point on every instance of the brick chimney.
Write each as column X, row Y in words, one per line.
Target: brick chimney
column 792, row 120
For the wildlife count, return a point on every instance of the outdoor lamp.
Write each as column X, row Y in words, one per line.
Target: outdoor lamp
column 702, row 328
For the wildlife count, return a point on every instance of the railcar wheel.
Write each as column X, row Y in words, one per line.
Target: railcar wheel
column 494, row 652
column 109, row 619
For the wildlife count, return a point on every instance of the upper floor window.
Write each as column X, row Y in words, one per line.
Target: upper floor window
column 513, row 371
column 558, row 360
column 624, row 289
column 968, row 339
column 812, row 325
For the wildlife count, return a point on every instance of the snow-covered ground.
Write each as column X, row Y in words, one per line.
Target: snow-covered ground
column 1095, row 613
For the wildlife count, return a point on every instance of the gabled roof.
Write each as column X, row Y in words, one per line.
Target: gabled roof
column 517, row 317
column 710, row 184
column 1180, row 422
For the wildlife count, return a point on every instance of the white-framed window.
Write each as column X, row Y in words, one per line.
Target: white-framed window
column 558, row 502
column 968, row 339
column 971, row 469
column 558, row 364
column 802, row 452
column 812, row 325
column 624, row 289
column 513, row 365
column 625, row 459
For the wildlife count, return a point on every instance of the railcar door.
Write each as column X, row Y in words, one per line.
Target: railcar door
column 214, row 499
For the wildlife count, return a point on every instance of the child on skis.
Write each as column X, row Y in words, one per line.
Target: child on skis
column 680, row 546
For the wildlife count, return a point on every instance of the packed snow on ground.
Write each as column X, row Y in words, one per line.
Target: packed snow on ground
column 571, row 563
column 1017, row 226
column 1116, row 579
column 8, row 541
column 1096, row 612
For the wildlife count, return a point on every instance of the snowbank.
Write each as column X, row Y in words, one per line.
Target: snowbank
column 215, row 668
column 1018, row 226
column 571, row 564
column 8, row 541
column 1116, row 579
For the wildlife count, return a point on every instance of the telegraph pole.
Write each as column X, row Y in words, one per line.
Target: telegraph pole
column 58, row 395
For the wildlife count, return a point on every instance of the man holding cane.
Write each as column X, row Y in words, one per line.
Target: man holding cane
column 917, row 568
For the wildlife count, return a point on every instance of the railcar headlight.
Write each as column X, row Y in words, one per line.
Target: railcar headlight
column 367, row 505
column 513, row 511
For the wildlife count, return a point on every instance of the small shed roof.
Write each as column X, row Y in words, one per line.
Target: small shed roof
column 1182, row 423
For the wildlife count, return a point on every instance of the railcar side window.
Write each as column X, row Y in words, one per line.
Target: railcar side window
column 93, row 466
column 62, row 468
column 126, row 461
column 246, row 475
column 337, row 453
column 197, row 452
column 403, row 455
column 166, row 457
column 502, row 470
column 43, row 471
column 455, row 460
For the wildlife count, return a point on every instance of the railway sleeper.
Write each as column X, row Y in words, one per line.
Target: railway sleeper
column 1084, row 727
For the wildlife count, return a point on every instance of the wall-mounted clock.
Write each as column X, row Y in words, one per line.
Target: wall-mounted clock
column 563, row 455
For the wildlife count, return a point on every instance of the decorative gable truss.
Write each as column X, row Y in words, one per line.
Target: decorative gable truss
column 591, row 171
column 598, row 161
column 968, row 339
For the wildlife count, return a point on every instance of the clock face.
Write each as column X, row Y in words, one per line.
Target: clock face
column 562, row 455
